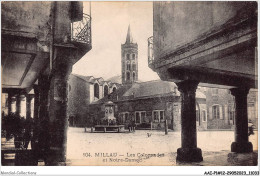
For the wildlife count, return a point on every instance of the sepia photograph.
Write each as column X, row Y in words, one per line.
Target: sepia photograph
column 129, row 83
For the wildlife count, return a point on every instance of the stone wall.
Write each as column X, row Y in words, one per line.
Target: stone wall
column 78, row 99
column 173, row 20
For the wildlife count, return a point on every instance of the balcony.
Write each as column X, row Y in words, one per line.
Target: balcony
column 150, row 51
column 81, row 30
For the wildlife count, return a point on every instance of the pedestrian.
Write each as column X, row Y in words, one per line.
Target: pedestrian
column 129, row 127
column 133, row 125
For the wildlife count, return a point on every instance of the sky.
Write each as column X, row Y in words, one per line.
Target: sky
column 110, row 22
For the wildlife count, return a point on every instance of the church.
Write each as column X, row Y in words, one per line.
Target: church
column 150, row 103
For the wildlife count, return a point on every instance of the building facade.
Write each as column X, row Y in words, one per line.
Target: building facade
column 84, row 90
column 149, row 104
column 221, row 108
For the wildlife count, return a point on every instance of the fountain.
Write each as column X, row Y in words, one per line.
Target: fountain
column 109, row 123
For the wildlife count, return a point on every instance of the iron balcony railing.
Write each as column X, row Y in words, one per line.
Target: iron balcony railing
column 150, row 50
column 81, row 30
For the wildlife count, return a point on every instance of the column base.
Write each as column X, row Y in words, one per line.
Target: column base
column 189, row 155
column 245, row 147
column 55, row 158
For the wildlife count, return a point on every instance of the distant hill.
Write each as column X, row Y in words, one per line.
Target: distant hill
column 116, row 79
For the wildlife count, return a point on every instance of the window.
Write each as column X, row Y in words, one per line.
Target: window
column 158, row 116
column 134, row 76
column 203, row 114
column 161, row 116
column 127, row 117
column 114, row 89
column 124, row 117
column 137, row 117
column 128, row 56
column 251, row 111
column 143, row 116
column 197, row 115
column 128, row 76
column 128, row 66
column 140, row 116
column 105, row 90
column 215, row 111
column 96, row 90
column 133, row 56
column 133, row 66
column 231, row 112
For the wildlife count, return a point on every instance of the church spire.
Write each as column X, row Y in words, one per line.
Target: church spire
column 129, row 38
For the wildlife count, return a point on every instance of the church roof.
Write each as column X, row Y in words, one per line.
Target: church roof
column 91, row 79
column 143, row 90
column 151, row 88
column 129, row 38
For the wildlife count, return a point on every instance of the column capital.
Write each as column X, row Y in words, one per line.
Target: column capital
column 241, row 91
column 35, row 87
column 29, row 96
column 19, row 97
column 187, row 86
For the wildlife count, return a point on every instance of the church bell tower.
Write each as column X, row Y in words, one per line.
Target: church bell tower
column 129, row 60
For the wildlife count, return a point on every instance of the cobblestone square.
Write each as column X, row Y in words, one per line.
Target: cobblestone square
column 86, row 148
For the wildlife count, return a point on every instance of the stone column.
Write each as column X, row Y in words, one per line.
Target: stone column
column 188, row 151
column 36, row 126
column 41, row 126
column 58, row 121
column 28, row 106
column 241, row 144
column 44, row 87
column 36, row 102
column 18, row 104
